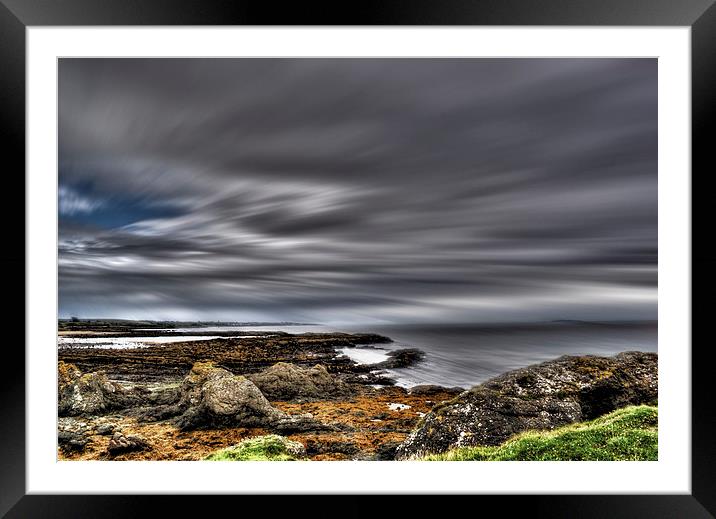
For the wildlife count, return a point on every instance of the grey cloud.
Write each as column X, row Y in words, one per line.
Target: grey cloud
column 344, row 189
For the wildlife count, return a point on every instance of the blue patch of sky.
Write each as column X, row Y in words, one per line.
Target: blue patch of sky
column 81, row 204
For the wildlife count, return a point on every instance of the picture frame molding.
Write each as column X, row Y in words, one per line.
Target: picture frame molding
column 700, row 15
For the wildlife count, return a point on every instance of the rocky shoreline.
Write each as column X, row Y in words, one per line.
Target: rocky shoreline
column 170, row 362
column 187, row 400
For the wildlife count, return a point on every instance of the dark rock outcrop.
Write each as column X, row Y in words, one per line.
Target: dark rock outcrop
column 378, row 378
column 386, row 451
column 430, row 389
column 540, row 397
column 285, row 381
column 399, row 359
column 91, row 393
column 211, row 396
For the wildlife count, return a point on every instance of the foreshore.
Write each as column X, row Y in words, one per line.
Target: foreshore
column 188, row 400
column 369, row 415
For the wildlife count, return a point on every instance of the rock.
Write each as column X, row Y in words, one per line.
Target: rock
column 377, row 378
column 284, row 381
column 540, row 397
column 294, row 448
column 120, row 444
column 104, row 429
column 212, row 396
column 386, row 451
column 399, row 359
column 269, row 447
column 163, row 396
column 370, row 338
column 429, row 389
column 91, row 393
column 73, row 434
column 72, row 440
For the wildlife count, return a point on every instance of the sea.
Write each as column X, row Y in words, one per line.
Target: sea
column 456, row 355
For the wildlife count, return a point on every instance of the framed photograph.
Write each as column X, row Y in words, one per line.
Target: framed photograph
column 418, row 250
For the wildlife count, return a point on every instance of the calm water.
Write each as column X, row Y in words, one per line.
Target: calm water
column 467, row 355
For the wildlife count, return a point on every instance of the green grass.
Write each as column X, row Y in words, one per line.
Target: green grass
column 261, row 448
column 625, row 434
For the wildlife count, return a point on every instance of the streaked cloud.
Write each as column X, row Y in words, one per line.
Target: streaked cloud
column 358, row 189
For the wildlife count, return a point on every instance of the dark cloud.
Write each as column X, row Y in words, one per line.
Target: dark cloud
column 358, row 189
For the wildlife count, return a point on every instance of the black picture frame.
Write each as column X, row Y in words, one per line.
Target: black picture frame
column 17, row 15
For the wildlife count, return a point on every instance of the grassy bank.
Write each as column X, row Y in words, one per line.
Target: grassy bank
column 626, row 434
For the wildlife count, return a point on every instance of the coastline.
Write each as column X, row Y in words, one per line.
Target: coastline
column 335, row 407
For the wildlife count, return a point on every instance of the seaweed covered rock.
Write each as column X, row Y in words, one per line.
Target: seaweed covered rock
column 86, row 394
column 285, row 381
column 540, row 397
column 212, row 396
column 270, row 447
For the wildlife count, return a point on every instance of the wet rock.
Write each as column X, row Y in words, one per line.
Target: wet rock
column 90, row 393
column 370, row 338
column 376, row 378
column 542, row 397
column 399, row 359
column 121, row 444
column 285, row 381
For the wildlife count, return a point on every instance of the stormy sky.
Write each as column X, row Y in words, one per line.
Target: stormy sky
column 358, row 190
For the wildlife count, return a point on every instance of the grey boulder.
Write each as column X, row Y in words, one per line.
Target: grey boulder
column 285, row 381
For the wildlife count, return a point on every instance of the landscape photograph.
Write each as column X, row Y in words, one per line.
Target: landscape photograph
column 357, row 259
